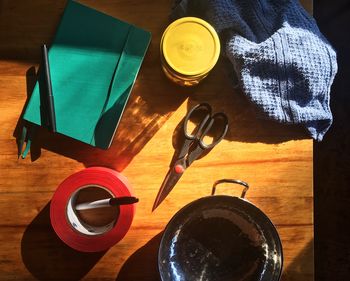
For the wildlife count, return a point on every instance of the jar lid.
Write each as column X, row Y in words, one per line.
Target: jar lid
column 190, row 46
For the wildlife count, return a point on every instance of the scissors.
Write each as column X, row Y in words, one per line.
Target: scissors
column 194, row 145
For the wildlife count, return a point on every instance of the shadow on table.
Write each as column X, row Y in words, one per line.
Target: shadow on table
column 302, row 267
column 143, row 264
column 47, row 257
column 26, row 25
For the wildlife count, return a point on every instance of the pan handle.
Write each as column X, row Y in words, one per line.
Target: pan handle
column 246, row 186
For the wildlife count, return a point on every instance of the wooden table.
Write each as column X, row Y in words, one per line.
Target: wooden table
column 275, row 160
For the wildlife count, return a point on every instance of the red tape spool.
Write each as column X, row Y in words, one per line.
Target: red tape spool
column 61, row 210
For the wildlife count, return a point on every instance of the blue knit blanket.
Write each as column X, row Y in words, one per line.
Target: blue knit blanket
column 283, row 63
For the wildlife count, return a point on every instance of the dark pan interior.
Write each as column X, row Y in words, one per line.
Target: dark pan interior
column 220, row 238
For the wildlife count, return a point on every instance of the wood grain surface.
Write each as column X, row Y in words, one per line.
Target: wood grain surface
column 276, row 160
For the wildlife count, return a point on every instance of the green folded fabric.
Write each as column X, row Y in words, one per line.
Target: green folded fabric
column 94, row 61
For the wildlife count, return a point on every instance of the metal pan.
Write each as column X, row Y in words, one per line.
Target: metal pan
column 220, row 238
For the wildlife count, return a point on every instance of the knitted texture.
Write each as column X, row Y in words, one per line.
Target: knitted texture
column 283, row 63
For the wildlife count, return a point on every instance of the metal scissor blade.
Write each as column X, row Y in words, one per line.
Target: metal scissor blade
column 168, row 184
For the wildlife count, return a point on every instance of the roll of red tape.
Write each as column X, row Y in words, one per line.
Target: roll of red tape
column 76, row 234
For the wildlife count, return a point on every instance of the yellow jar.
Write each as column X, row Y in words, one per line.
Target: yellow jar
column 189, row 49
